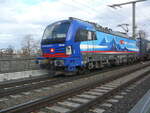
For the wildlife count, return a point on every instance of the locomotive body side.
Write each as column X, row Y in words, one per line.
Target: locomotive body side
column 107, row 49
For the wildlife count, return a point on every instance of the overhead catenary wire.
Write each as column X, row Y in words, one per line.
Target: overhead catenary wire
column 87, row 9
column 97, row 11
column 92, row 9
column 78, row 7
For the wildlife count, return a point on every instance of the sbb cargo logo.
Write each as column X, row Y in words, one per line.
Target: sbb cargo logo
column 122, row 42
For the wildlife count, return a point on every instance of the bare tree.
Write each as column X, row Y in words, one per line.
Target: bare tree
column 30, row 46
column 2, row 51
column 10, row 50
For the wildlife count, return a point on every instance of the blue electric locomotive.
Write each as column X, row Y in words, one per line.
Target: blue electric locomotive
column 75, row 45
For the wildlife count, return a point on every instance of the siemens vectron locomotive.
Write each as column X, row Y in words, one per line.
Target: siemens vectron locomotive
column 75, row 45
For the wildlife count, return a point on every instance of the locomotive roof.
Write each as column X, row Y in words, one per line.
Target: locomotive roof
column 104, row 29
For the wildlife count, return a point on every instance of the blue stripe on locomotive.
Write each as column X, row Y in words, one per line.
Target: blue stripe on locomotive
column 109, row 42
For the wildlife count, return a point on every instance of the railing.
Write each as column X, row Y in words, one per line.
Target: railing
column 143, row 106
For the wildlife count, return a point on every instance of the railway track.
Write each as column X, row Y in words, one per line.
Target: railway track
column 13, row 83
column 112, row 102
column 81, row 102
column 79, row 98
column 18, row 86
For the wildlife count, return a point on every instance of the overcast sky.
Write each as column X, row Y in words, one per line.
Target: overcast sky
column 22, row 17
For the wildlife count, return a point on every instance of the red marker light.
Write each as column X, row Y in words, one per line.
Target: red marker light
column 52, row 50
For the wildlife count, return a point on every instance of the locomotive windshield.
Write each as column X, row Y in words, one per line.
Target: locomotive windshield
column 55, row 33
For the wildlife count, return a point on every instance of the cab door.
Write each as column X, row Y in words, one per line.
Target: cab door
column 90, row 45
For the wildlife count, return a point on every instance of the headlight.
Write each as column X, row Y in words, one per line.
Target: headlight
column 68, row 50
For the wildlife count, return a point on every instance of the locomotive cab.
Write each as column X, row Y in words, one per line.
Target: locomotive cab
column 57, row 47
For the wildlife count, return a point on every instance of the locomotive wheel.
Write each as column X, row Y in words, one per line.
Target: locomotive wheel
column 112, row 63
column 81, row 71
column 90, row 66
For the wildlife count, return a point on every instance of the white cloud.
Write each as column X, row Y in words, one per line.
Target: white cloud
column 31, row 17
